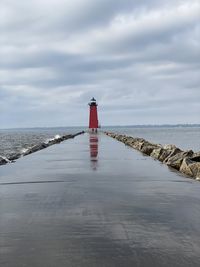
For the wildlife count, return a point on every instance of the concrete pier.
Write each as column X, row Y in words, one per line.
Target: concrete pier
column 92, row 202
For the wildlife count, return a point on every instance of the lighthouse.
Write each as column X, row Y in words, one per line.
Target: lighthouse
column 93, row 121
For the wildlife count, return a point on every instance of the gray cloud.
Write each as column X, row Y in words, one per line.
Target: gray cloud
column 140, row 59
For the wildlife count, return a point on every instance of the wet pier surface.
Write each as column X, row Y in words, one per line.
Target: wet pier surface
column 93, row 202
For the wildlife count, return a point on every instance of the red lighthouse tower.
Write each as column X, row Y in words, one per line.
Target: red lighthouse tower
column 93, row 121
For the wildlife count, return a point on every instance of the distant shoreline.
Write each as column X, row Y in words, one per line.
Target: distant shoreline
column 154, row 126
column 108, row 126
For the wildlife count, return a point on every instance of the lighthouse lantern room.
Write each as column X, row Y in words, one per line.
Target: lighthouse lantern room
column 93, row 120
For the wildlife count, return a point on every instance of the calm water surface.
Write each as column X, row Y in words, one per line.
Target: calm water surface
column 183, row 137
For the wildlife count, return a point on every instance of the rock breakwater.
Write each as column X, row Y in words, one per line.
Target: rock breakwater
column 187, row 162
column 37, row 147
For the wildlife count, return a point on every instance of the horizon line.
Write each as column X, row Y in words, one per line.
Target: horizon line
column 128, row 125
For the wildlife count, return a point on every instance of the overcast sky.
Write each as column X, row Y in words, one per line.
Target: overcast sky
column 139, row 58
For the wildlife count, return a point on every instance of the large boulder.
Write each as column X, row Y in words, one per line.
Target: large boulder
column 3, row 160
column 15, row 156
column 148, row 148
column 124, row 139
column 156, row 153
column 130, row 141
column 163, row 153
column 191, row 166
column 176, row 160
column 169, row 147
column 168, row 153
column 138, row 143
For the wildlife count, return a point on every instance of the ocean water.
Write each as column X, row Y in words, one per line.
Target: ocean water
column 16, row 140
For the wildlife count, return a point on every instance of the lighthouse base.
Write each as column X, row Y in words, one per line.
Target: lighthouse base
column 93, row 130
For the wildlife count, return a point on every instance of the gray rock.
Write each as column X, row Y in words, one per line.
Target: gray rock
column 148, row 148
column 15, row 156
column 35, row 148
column 169, row 147
column 121, row 138
column 3, row 160
column 53, row 142
column 138, row 143
column 191, row 166
column 167, row 153
column 176, row 160
column 157, row 152
column 129, row 141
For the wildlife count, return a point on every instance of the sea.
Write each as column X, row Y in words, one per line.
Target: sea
column 17, row 140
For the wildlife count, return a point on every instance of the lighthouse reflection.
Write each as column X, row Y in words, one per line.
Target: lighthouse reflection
column 93, row 138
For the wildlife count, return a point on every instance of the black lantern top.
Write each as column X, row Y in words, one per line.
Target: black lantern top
column 93, row 102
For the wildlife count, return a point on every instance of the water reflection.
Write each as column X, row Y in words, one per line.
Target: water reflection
column 93, row 138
